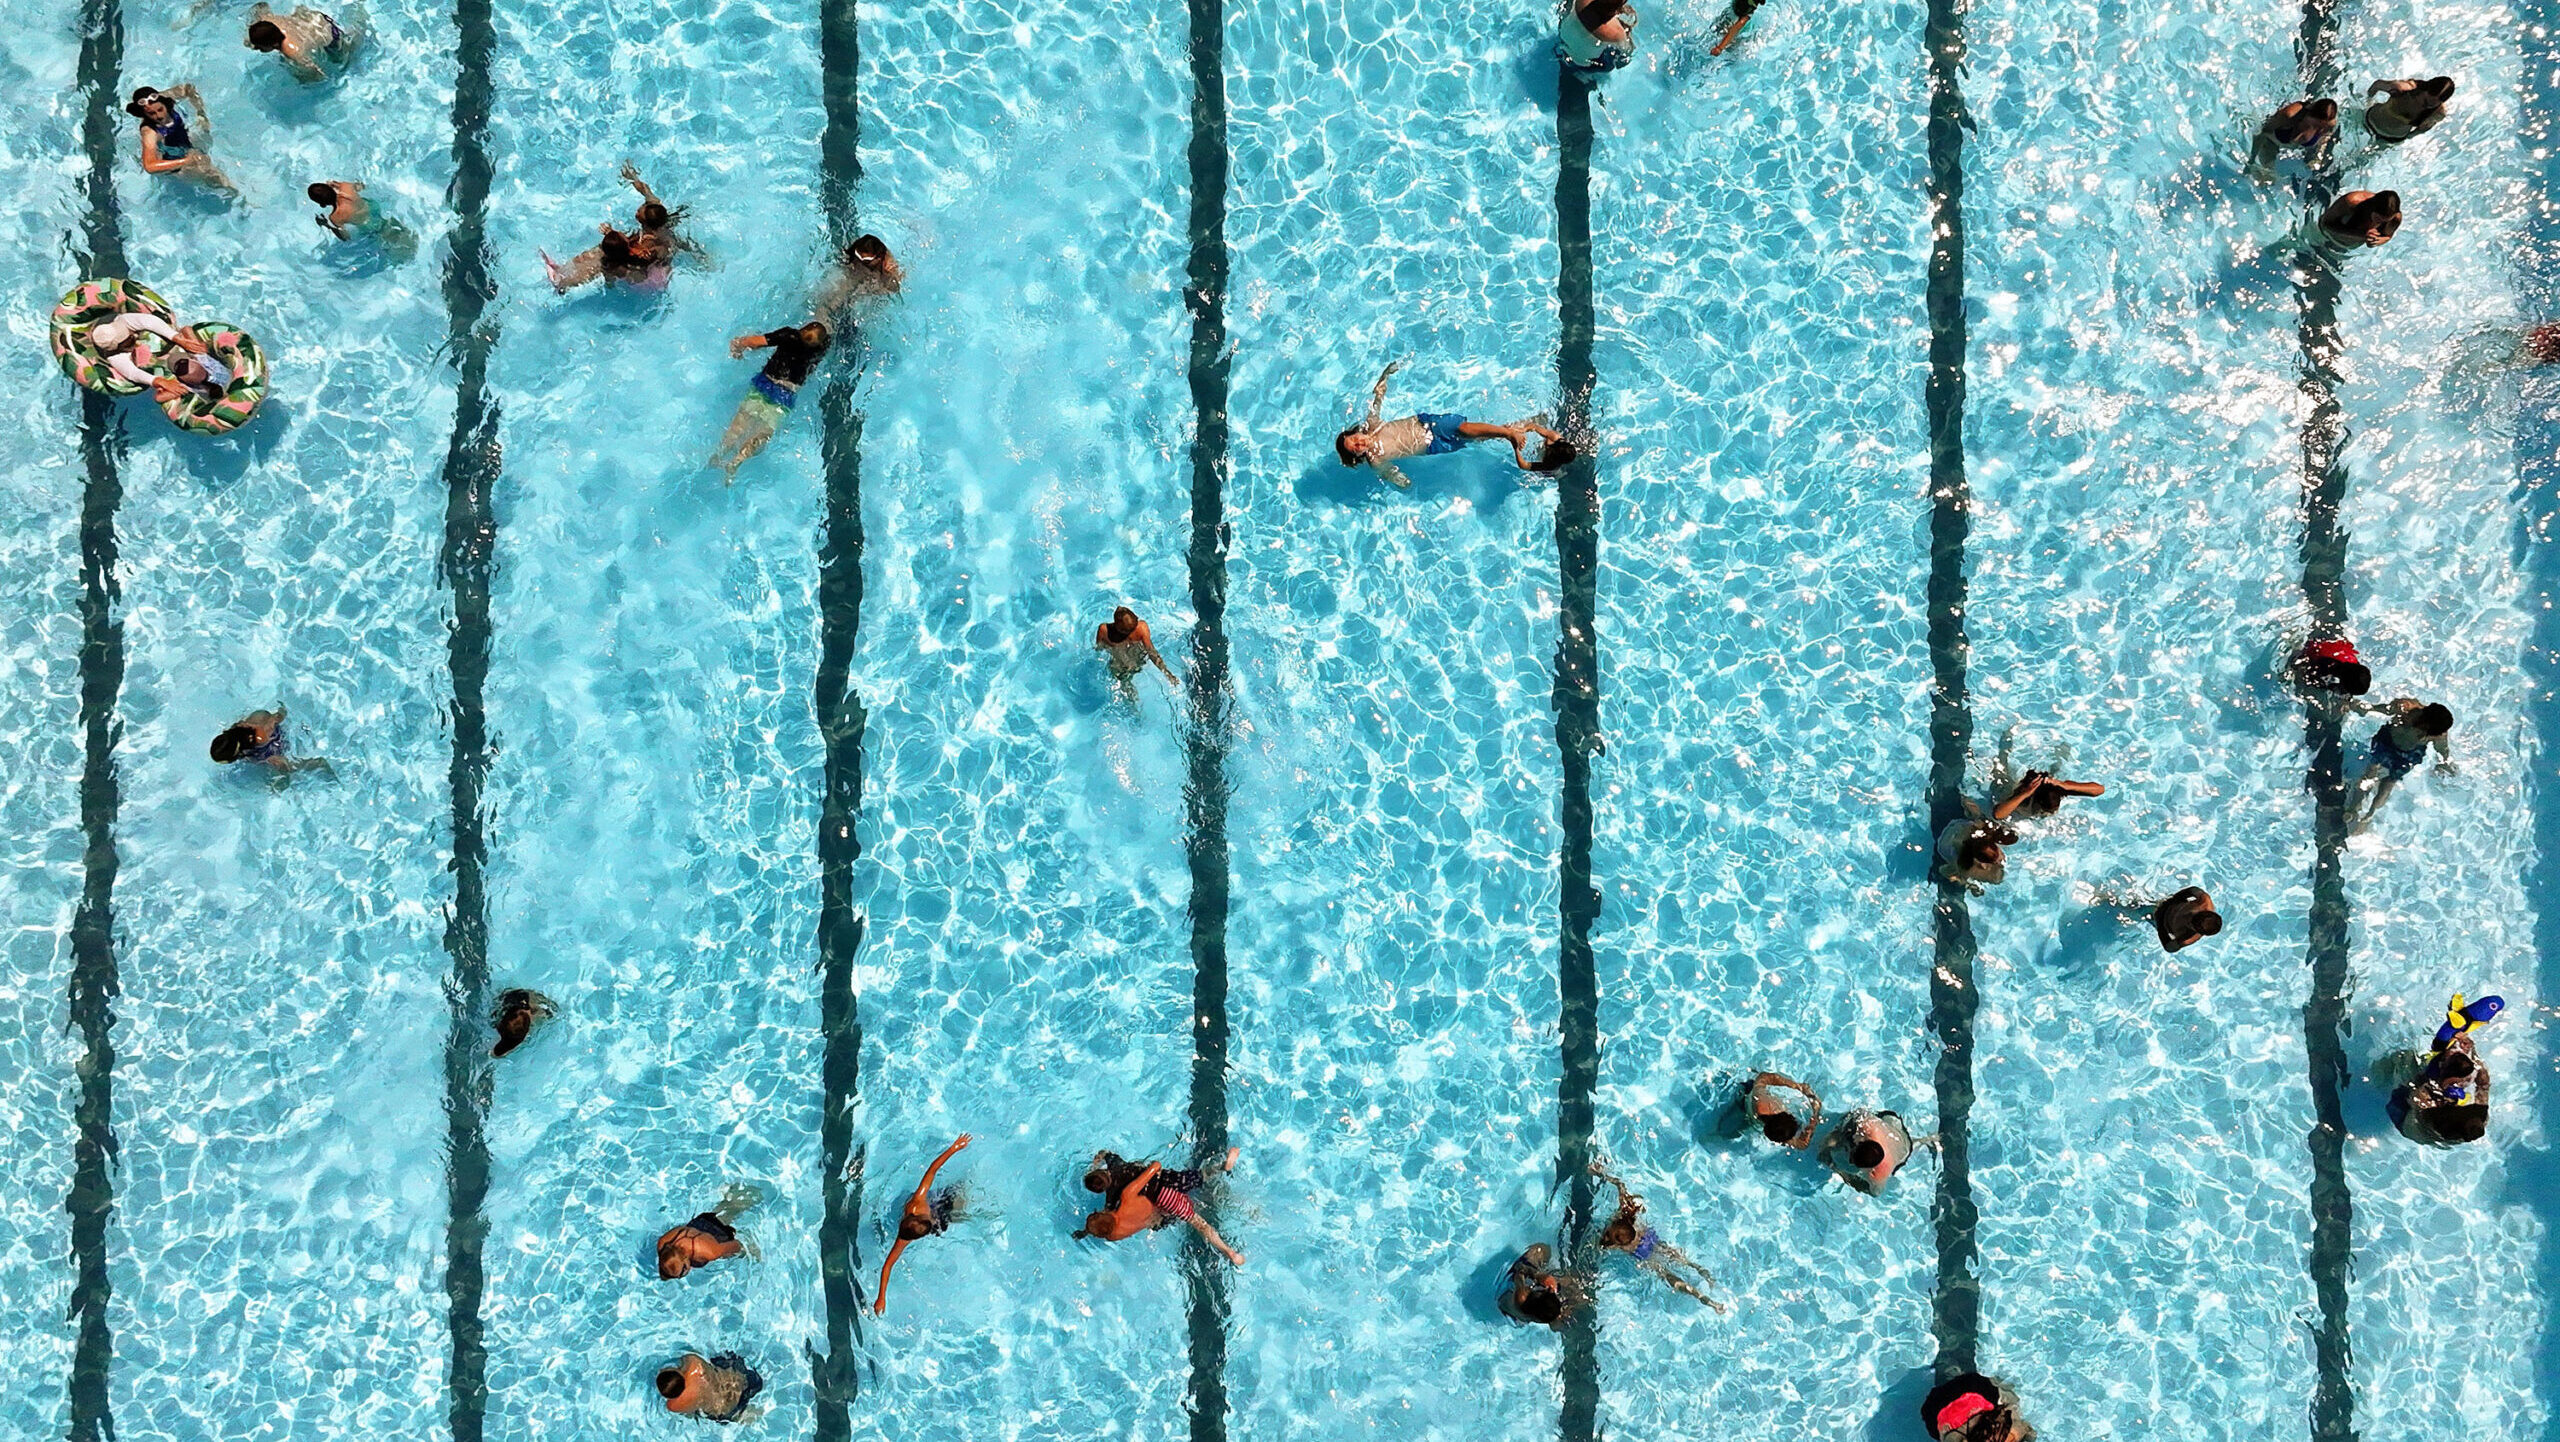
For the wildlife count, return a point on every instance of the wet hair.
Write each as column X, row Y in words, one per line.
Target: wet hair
column 618, row 251
column 143, row 97
column 2439, row 89
column 2454, row 1064
column 653, row 215
column 1342, row 448
column 1620, row 1232
column 1097, row 1180
column 1093, row 1222
column 2324, row 111
column 869, row 250
column 2466, row 1123
column 1993, row 1426
column 2350, row 678
column 1978, row 846
column 515, row 1023
column 1555, row 456
column 265, row 35
column 2207, row 923
column 1868, row 1152
column 1779, row 1127
column 816, row 336
column 321, row 193
column 911, row 1229
column 235, row 743
column 672, row 1264
column 1543, row 1304
column 1595, row 13
column 2434, row 720
column 670, row 1383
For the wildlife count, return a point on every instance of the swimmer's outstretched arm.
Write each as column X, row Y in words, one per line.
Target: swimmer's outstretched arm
column 1378, row 394
column 880, row 1295
column 746, row 343
column 921, row 1201
column 1158, row 657
column 1732, row 33
column 631, row 177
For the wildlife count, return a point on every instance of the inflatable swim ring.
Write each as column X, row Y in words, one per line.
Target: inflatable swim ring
column 219, row 415
column 90, row 304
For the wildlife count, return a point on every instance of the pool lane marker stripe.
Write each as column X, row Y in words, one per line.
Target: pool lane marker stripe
column 1956, row 1305
column 1205, row 790
column 94, row 982
column 1576, row 700
column 471, row 471
column 2324, row 562
column 841, row 724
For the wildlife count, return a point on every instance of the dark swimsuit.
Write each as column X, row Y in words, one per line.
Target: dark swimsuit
column 714, row 1228
column 787, row 369
column 732, row 1362
column 272, row 747
column 175, row 142
column 2394, row 761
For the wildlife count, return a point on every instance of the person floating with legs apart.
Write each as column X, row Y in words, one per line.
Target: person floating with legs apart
column 1379, row 444
column 928, row 1214
column 772, row 392
column 1628, row 1232
column 1141, row 1198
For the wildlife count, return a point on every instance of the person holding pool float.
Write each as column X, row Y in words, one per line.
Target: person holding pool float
column 2445, row 1101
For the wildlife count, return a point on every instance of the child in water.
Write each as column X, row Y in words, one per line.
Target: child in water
column 347, row 215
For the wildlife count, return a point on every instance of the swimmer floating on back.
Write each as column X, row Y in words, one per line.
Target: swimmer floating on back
column 772, row 392
column 1628, row 1232
column 1380, row 444
column 927, row 1214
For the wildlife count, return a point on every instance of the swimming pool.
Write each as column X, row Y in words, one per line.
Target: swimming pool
column 1342, row 919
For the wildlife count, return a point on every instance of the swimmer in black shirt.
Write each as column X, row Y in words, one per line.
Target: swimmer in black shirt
column 772, row 392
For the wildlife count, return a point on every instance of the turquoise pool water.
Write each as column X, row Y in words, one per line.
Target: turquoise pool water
column 284, row 1191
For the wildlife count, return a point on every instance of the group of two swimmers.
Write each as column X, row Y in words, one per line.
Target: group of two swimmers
column 1973, row 853
column 302, row 39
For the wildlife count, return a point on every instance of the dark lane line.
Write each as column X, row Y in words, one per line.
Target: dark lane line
column 1956, row 1305
column 2324, row 564
column 1205, row 791
column 94, row 982
column 841, row 723
column 472, row 467
column 1577, row 706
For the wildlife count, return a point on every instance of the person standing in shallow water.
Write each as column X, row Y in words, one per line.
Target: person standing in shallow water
column 1130, row 647
column 2310, row 126
column 2415, row 107
column 519, row 1011
column 2360, row 220
column 1867, row 1148
column 1534, row 1293
column 168, row 147
column 300, row 39
column 865, row 271
column 717, row 1390
column 1789, row 1121
column 709, row 1237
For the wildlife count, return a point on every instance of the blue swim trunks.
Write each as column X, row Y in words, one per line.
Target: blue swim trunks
column 772, row 390
column 2395, row 763
column 1444, row 433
